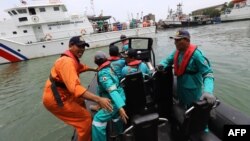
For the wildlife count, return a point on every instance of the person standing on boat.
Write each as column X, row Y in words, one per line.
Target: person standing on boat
column 192, row 69
column 124, row 43
column 117, row 63
column 134, row 65
column 64, row 95
column 109, row 87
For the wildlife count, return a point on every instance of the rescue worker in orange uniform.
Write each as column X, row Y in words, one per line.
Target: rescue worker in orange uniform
column 64, row 95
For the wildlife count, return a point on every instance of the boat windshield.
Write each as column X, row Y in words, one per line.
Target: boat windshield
column 142, row 45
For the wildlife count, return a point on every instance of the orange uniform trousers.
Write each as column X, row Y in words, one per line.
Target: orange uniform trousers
column 72, row 113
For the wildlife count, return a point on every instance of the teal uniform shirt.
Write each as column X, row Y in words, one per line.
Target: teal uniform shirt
column 125, row 47
column 131, row 69
column 197, row 75
column 117, row 66
column 108, row 86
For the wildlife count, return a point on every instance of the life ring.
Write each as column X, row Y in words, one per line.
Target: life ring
column 83, row 32
column 35, row 19
column 47, row 37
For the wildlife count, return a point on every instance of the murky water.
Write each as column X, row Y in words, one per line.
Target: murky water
column 23, row 117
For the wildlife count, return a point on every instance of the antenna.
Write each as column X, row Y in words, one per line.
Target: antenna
column 141, row 15
column 92, row 6
column 137, row 16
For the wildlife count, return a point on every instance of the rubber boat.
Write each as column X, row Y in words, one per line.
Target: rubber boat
column 153, row 108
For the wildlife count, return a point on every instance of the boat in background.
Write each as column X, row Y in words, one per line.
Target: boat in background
column 174, row 19
column 179, row 19
column 240, row 11
column 43, row 29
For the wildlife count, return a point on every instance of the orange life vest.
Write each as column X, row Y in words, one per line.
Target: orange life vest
column 134, row 63
column 180, row 69
column 113, row 58
column 77, row 63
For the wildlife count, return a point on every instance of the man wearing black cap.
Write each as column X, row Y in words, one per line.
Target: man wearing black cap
column 64, row 95
column 195, row 79
column 117, row 63
column 192, row 69
column 124, row 43
column 108, row 86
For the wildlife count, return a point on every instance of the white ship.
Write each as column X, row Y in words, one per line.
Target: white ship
column 39, row 30
column 240, row 11
column 175, row 18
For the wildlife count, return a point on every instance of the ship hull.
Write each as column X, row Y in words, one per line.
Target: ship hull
column 12, row 51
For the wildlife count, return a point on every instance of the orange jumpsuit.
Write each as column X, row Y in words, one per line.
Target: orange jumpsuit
column 66, row 70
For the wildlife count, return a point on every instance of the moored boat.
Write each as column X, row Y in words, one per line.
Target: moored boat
column 175, row 18
column 160, row 117
column 44, row 29
column 240, row 11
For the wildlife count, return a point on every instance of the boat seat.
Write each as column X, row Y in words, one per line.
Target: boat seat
column 163, row 82
column 146, row 127
column 143, row 119
column 193, row 121
column 136, row 95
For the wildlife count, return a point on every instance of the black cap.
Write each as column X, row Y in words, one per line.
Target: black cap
column 113, row 50
column 79, row 41
column 132, row 53
column 181, row 34
column 100, row 58
column 123, row 37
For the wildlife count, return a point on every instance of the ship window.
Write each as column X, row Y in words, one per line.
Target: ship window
column 56, row 9
column 14, row 12
column 14, row 32
column 32, row 11
column 42, row 9
column 25, row 31
column 21, row 11
column 64, row 9
column 23, row 19
column 10, row 13
column 3, row 34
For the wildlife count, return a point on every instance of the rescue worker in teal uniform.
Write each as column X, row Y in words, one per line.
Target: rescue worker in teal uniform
column 117, row 63
column 108, row 87
column 134, row 65
column 192, row 69
column 124, row 43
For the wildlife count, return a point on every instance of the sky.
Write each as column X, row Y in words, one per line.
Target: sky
column 122, row 10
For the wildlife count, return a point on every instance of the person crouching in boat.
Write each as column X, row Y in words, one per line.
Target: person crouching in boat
column 124, row 43
column 109, row 87
column 64, row 95
column 117, row 63
column 134, row 65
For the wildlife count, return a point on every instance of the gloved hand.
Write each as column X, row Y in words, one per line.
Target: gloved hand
column 210, row 98
column 159, row 67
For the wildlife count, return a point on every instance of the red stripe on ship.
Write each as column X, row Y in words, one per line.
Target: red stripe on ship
column 9, row 56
